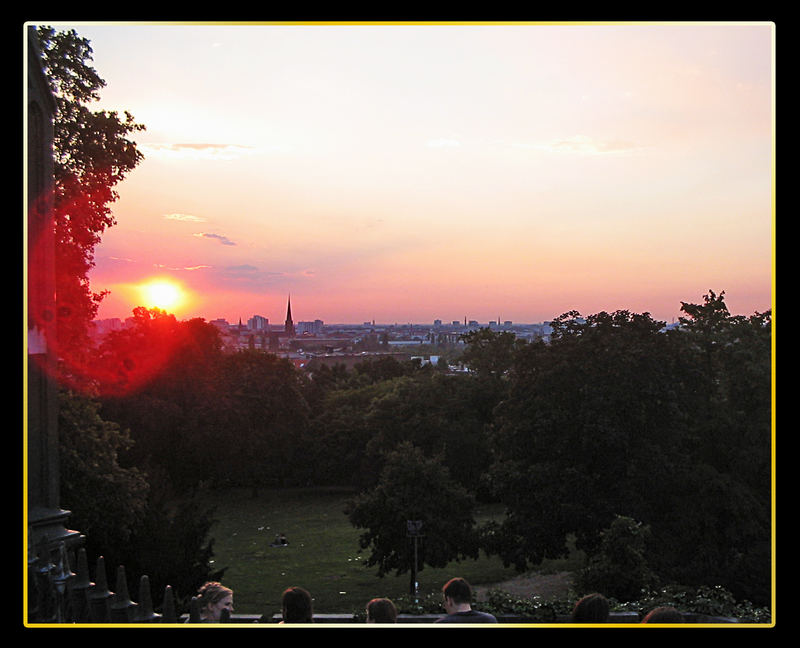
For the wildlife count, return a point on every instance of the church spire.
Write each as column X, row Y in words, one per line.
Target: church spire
column 289, row 326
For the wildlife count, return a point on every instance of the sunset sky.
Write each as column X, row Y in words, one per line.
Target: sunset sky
column 412, row 172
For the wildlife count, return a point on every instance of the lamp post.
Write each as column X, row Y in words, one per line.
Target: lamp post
column 414, row 530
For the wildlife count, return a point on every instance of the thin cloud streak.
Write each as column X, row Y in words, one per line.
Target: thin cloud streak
column 188, row 218
column 224, row 240
column 182, row 268
column 195, row 151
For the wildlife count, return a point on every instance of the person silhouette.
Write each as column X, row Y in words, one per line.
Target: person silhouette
column 296, row 606
column 592, row 608
column 457, row 594
column 381, row 610
column 212, row 599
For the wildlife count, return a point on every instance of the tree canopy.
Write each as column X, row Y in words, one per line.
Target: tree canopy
column 418, row 488
column 618, row 416
column 93, row 152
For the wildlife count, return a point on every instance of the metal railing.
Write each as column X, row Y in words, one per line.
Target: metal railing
column 58, row 595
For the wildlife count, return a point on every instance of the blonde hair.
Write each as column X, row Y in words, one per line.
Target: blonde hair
column 212, row 592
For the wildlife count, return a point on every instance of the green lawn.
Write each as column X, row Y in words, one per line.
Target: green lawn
column 322, row 556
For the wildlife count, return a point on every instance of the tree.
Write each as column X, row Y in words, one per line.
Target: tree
column 587, row 417
column 439, row 414
column 106, row 500
column 414, row 487
column 619, row 569
column 160, row 378
column 381, row 368
column 619, row 417
column 322, row 381
column 728, row 369
column 341, row 434
column 726, row 374
column 172, row 544
column 259, row 434
column 490, row 354
column 131, row 493
column 93, row 153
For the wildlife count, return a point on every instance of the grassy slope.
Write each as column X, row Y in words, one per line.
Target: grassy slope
column 322, row 556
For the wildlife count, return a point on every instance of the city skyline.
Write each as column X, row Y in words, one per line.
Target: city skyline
column 407, row 173
column 254, row 320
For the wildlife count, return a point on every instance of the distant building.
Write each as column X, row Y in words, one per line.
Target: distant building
column 258, row 323
column 100, row 328
column 221, row 324
column 312, row 328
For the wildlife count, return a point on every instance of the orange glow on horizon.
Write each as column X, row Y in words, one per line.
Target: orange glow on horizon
column 163, row 293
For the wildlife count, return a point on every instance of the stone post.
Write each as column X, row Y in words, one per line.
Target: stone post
column 46, row 519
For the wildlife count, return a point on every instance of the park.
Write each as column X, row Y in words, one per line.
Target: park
column 636, row 457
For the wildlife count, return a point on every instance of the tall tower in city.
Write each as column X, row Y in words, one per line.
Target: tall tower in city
column 289, row 326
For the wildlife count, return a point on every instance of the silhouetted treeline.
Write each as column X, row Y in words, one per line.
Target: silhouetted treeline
column 614, row 416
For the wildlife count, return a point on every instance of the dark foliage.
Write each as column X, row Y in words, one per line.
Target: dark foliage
column 615, row 417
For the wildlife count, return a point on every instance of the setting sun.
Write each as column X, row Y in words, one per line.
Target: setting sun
column 161, row 293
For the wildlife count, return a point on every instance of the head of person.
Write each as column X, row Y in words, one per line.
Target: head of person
column 381, row 610
column 296, row 606
column 664, row 614
column 457, row 594
column 592, row 608
column 213, row 598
